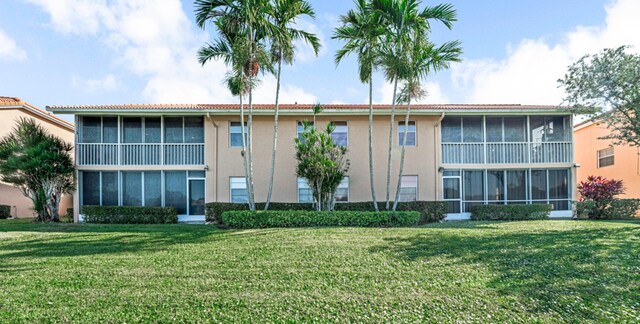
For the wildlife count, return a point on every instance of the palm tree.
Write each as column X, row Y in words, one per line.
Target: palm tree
column 244, row 26
column 404, row 21
column 361, row 30
column 284, row 15
column 424, row 58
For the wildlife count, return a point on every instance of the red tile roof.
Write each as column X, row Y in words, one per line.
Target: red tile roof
column 298, row 107
column 11, row 102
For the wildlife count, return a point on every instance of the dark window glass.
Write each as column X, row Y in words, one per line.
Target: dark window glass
column 516, row 185
column 494, row 129
column 472, row 129
column 91, row 130
column 451, row 188
column 110, row 188
column 110, row 130
column 515, row 129
column 235, row 134
column 90, row 188
column 538, row 184
column 495, row 185
column 558, row 184
column 132, row 188
column 474, row 185
column 132, row 130
column 173, row 130
column 451, row 130
column 152, row 132
column 194, row 130
column 176, row 190
column 153, row 188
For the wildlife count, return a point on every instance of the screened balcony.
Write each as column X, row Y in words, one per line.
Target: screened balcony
column 140, row 141
column 506, row 140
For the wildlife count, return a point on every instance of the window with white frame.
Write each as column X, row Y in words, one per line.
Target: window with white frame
column 235, row 134
column 342, row 193
column 605, row 157
column 305, row 194
column 340, row 135
column 411, row 133
column 238, row 190
column 408, row 188
column 300, row 127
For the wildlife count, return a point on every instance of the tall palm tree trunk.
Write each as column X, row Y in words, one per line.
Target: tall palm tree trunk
column 391, row 121
column 404, row 144
column 275, row 135
column 371, row 179
column 244, row 151
column 250, row 127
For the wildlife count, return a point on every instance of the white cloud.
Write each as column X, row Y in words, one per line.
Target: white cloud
column 530, row 72
column 304, row 51
column 156, row 41
column 9, row 49
column 108, row 83
column 434, row 94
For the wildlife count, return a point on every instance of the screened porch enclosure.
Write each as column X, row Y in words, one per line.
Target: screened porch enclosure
column 506, row 139
column 157, row 140
column 463, row 189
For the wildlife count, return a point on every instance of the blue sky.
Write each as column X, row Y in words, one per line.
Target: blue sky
column 68, row 52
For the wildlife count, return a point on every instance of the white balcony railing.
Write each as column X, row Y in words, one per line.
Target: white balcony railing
column 140, row 154
column 514, row 152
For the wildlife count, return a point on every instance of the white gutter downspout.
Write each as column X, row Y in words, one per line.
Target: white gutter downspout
column 436, row 153
column 215, row 158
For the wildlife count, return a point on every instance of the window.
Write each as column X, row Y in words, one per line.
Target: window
column 131, row 130
column 451, row 190
column 340, row 135
column 473, row 185
column 550, row 128
column 175, row 194
column 605, row 157
column 153, row 188
column 506, row 129
column 90, row 188
column 194, row 130
column 516, row 187
column 409, row 188
column 132, row 188
column 238, row 190
column 109, row 129
column 495, row 186
column 411, row 133
column 300, row 127
column 98, row 129
column 305, row 194
column 152, row 131
column 462, row 129
column 99, row 188
column 342, row 193
column 235, row 134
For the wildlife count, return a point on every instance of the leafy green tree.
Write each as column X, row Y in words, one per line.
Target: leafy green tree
column 362, row 32
column 245, row 27
column 284, row 16
column 424, row 58
column 322, row 163
column 607, row 82
column 404, row 21
column 39, row 164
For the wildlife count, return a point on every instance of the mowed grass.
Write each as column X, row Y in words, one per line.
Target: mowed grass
column 546, row 271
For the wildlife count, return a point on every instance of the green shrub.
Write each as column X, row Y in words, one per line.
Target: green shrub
column 304, row 218
column 510, row 212
column 585, row 209
column 431, row 211
column 623, row 209
column 5, row 211
column 129, row 215
column 69, row 215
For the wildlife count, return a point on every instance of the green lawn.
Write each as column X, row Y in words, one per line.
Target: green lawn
column 544, row 271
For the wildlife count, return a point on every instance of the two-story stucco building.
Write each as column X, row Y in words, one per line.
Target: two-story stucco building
column 11, row 110
column 187, row 155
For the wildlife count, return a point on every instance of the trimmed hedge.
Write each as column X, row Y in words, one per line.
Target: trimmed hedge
column 303, row 218
column 69, row 215
column 510, row 212
column 431, row 211
column 129, row 215
column 5, row 211
column 615, row 209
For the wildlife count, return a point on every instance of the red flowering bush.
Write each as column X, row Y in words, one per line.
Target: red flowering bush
column 599, row 191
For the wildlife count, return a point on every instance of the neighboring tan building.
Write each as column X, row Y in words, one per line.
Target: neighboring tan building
column 601, row 157
column 11, row 109
column 186, row 155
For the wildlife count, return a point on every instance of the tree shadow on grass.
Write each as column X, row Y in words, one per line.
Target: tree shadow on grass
column 585, row 272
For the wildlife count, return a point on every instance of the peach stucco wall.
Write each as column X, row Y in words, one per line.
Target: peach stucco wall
column 10, row 195
column 626, row 158
column 225, row 162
